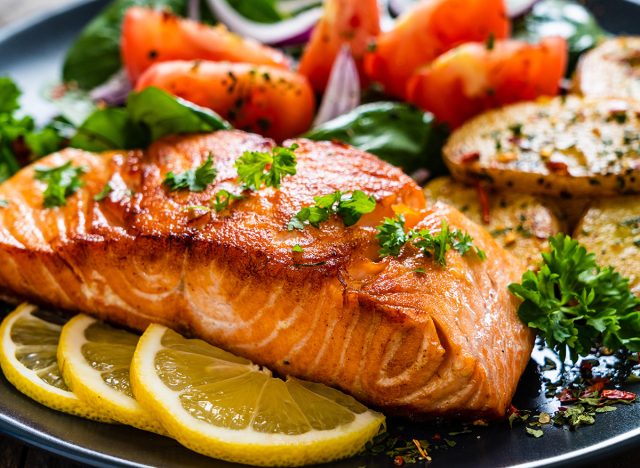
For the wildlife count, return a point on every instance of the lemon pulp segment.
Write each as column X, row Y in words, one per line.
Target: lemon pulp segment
column 95, row 359
column 28, row 358
column 226, row 407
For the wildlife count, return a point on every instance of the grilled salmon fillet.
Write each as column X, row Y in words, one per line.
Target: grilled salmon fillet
column 443, row 342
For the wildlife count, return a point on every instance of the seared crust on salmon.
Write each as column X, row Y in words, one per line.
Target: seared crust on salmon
column 444, row 341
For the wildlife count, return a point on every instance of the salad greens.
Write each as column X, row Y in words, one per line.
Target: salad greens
column 576, row 304
column 565, row 18
column 262, row 11
column 95, row 56
column 20, row 141
column 396, row 132
column 150, row 114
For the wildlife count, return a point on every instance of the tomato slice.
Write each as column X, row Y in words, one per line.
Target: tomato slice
column 267, row 100
column 472, row 78
column 151, row 36
column 354, row 22
column 428, row 30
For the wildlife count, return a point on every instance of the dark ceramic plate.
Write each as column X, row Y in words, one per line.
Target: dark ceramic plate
column 31, row 53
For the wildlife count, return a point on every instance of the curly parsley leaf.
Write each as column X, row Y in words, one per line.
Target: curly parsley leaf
column 575, row 304
column 352, row 207
column 194, row 180
column 222, row 200
column 9, row 96
column 257, row 168
column 104, row 193
column 20, row 141
column 392, row 237
column 348, row 206
column 62, row 182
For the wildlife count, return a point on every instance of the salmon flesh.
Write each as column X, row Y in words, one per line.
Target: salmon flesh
column 401, row 333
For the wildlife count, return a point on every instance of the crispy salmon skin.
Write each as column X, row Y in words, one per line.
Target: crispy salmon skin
column 437, row 342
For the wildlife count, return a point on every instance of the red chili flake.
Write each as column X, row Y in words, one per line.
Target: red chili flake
column 398, row 460
column 558, row 167
column 483, row 198
column 593, row 390
column 586, row 365
column 618, row 395
column 566, row 396
column 470, row 157
column 512, row 410
column 437, row 437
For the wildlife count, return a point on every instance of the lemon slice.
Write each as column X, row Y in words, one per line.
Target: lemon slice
column 225, row 407
column 28, row 359
column 95, row 359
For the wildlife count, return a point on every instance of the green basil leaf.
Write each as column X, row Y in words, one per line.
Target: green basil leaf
column 165, row 115
column 148, row 116
column 398, row 133
column 107, row 129
column 564, row 18
column 95, row 55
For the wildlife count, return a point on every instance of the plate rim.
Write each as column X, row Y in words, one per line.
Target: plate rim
column 41, row 439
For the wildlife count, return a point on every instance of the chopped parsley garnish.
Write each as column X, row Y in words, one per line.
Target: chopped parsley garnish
column 297, row 248
column 491, row 41
column 392, row 238
column 348, row 206
column 195, row 180
column 257, row 168
column 575, row 304
column 104, row 193
column 20, row 140
column 222, row 200
column 4, row 203
column 62, row 182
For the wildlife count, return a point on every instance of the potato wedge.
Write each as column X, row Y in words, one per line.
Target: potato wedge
column 520, row 223
column 610, row 70
column 566, row 146
column 611, row 230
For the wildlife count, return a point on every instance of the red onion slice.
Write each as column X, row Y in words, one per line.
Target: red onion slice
column 398, row 7
column 193, row 10
column 343, row 90
column 293, row 6
column 517, row 8
column 114, row 91
column 291, row 31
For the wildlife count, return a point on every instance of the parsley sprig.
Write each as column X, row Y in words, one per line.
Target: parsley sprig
column 575, row 304
column 195, row 180
column 62, row 182
column 392, row 237
column 348, row 206
column 257, row 168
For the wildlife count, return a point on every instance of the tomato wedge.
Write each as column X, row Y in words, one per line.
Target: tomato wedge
column 472, row 78
column 429, row 29
column 267, row 100
column 151, row 36
column 353, row 22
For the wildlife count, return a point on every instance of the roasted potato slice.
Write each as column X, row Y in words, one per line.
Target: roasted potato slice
column 566, row 146
column 611, row 230
column 520, row 223
column 611, row 70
